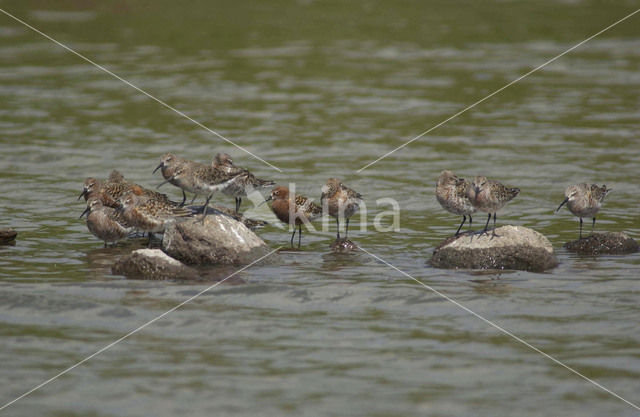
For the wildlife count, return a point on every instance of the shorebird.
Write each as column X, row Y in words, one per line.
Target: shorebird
column 105, row 223
column 451, row 193
column 584, row 200
column 169, row 164
column 197, row 178
column 293, row 210
column 113, row 188
column 244, row 183
column 150, row 215
column 342, row 202
column 490, row 196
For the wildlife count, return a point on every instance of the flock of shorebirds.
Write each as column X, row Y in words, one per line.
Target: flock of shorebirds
column 462, row 197
column 117, row 208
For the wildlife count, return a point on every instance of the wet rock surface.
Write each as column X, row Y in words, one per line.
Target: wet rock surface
column 153, row 264
column 603, row 243
column 8, row 236
column 343, row 245
column 513, row 247
column 219, row 240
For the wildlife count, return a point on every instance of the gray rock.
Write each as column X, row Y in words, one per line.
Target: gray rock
column 514, row 247
column 218, row 240
column 153, row 264
column 605, row 243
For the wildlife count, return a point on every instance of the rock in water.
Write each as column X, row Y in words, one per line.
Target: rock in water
column 7, row 236
column 343, row 245
column 514, row 247
column 605, row 243
column 153, row 264
column 218, row 239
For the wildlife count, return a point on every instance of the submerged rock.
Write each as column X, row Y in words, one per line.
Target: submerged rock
column 7, row 236
column 343, row 245
column 152, row 264
column 218, row 240
column 513, row 247
column 605, row 243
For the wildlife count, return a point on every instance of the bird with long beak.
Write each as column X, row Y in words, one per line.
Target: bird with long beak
column 105, row 223
column 342, row 202
column 293, row 210
column 169, row 166
column 490, row 196
column 584, row 200
column 244, row 184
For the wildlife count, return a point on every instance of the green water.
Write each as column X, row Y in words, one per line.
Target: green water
column 320, row 89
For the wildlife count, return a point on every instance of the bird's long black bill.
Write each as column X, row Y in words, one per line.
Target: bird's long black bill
column 85, row 212
column 562, row 204
column 164, row 182
column 267, row 199
column 158, row 167
column 82, row 194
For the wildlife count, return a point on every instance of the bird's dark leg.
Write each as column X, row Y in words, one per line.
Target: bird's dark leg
column 205, row 207
column 238, row 202
column 338, row 224
column 193, row 199
column 184, row 198
column 580, row 228
column 346, row 230
column 593, row 225
column 487, row 225
column 299, row 235
column 105, row 243
column 150, row 237
column 464, row 219
column 470, row 222
column 293, row 234
column 494, row 225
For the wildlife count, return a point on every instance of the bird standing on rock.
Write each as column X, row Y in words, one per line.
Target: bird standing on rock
column 584, row 200
column 490, row 196
column 245, row 181
column 452, row 194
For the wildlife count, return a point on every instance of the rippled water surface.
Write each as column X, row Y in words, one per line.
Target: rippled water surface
column 320, row 89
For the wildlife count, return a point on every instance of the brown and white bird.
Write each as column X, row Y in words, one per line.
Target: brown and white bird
column 490, row 196
column 106, row 223
column 341, row 201
column 151, row 215
column 169, row 164
column 584, row 200
column 451, row 193
column 293, row 209
column 245, row 182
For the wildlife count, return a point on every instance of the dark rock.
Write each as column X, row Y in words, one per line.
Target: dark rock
column 513, row 247
column 343, row 245
column 218, row 240
column 153, row 264
column 7, row 236
column 605, row 243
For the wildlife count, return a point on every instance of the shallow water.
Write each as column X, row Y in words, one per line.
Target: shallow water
column 321, row 89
